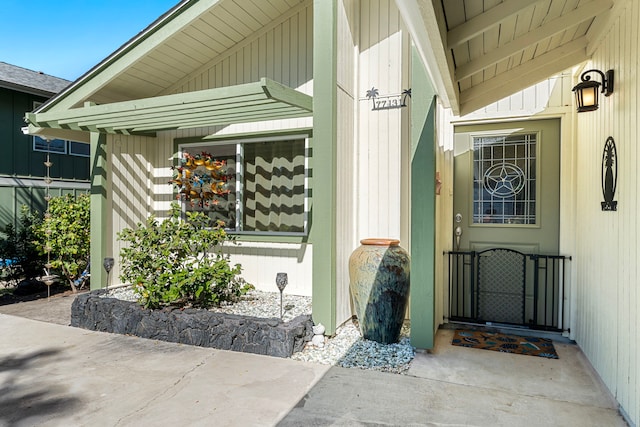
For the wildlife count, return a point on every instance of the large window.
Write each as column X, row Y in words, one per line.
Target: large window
column 260, row 189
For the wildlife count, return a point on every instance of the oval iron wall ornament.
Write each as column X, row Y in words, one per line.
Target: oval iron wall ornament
column 609, row 175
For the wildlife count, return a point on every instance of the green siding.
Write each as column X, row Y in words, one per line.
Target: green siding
column 18, row 157
column 13, row 198
column 18, row 160
column 99, row 225
column 423, row 162
column 23, row 162
column 6, row 129
column 323, row 211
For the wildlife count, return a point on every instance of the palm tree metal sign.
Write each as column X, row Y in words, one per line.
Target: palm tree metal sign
column 387, row 102
column 609, row 175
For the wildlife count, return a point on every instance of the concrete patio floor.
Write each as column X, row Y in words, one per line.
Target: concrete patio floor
column 55, row 375
column 457, row 386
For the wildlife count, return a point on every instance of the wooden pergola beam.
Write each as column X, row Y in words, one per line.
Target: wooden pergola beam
column 258, row 101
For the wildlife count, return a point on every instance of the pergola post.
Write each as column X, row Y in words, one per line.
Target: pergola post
column 323, row 161
column 98, row 209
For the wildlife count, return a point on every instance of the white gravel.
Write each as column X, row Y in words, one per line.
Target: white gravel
column 349, row 350
column 346, row 348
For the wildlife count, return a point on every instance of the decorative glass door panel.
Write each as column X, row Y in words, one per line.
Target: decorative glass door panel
column 504, row 179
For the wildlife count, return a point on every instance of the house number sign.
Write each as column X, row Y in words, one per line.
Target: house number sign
column 609, row 175
column 387, row 102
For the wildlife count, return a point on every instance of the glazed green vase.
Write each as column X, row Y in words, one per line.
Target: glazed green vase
column 379, row 286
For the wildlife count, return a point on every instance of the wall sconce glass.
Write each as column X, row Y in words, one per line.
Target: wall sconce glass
column 587, row 90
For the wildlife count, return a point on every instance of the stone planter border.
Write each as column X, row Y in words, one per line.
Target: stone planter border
column 198, row 327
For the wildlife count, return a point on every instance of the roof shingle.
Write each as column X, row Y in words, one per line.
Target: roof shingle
column 18, row 78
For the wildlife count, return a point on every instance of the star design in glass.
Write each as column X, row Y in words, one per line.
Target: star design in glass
column 504, row 180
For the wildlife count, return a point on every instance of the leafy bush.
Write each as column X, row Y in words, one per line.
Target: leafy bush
column 67, row 233
column 19, row 248
column 177, row 262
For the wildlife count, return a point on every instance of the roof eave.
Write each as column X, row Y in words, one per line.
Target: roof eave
column 425, row 23
column 26, row 89
column 119, row 53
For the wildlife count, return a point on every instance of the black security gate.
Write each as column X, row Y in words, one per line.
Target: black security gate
column 503, row 286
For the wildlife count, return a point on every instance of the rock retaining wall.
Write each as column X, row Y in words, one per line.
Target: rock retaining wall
column 199, row 327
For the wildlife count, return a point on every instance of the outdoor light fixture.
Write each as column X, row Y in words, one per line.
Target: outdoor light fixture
column 107, row 263
column 587, row 90
column 281, row 282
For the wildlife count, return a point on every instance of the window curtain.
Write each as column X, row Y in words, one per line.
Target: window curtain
column 274, row 186
column 225, row 208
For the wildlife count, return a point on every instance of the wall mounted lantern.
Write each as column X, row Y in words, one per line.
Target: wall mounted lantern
column 587, row 90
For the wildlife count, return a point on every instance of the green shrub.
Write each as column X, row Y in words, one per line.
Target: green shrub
column 20, row 246
column 67, row 233
column 176, row 262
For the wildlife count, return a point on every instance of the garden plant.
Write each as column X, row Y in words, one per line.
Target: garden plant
column 180, row 262
column 19, row 252
column 65, row 234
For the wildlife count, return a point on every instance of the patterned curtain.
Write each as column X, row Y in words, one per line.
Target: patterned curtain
column 273, row 184
column 225, row 208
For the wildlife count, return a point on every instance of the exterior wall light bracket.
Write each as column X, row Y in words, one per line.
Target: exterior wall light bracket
column 587, row 90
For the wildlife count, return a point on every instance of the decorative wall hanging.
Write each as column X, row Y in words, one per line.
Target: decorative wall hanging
column 609, row 175
column 200, row 179
column 48, row 278
column 387, row 102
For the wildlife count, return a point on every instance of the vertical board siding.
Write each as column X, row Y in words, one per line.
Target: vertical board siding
column 281, row 51
column 262, row 261
column 346, row 167
column 549, row 96
column 13, row 198
column 608, row 255
column 19, row 158
column 22, row 168
column 130, row 187
column 382, row 64
column 444, row 211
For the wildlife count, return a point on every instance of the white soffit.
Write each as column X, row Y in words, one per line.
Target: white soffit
column 486, row 50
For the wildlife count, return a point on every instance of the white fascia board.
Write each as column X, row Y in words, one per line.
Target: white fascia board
column 152, row 36
column 422, row 23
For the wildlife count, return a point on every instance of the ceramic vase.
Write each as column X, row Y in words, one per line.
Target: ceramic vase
column 379, row 287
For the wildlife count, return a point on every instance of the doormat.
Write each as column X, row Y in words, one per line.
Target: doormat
column 531, row 346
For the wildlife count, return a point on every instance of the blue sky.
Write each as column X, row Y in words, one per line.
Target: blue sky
column 66, row 38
